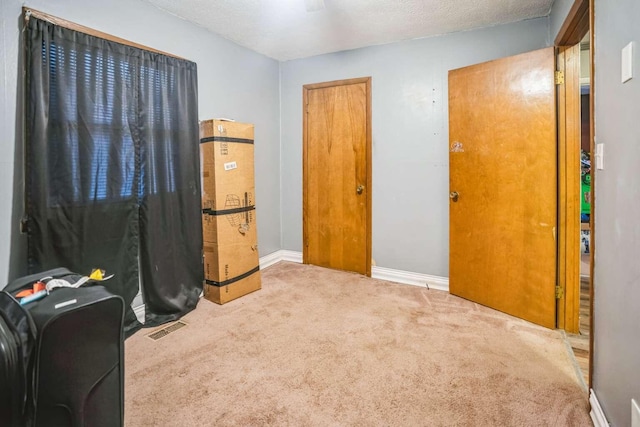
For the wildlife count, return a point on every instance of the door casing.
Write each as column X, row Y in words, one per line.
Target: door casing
column 579, row 20
column 568, row 106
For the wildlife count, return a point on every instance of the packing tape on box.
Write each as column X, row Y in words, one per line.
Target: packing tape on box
column 226, row 139
column 234, row 279
column 228, row 211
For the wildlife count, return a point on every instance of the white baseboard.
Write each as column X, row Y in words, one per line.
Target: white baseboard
column 597, row 415
column 411, row 278
column 383, row 273
column 137, row 300
column 291, row 256
column 138, row 307
column 281, row 255
column 269, row 260
column 139, row 312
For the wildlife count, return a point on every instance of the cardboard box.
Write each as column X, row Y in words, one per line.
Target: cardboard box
column 230, row 245
column 226, row 155
column 237, row 227
column 223, row 294
column 229, row 233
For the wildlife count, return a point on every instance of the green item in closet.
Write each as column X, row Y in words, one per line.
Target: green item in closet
column 586, row 194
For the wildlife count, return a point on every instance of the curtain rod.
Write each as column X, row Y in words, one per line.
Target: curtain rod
column 28, row 13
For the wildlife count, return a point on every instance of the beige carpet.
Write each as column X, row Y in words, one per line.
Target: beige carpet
column 317, row 347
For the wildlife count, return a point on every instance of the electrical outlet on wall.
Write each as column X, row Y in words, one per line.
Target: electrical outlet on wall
column 635, row 414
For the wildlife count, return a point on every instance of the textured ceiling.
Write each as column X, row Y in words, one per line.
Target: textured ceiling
column 284, row 30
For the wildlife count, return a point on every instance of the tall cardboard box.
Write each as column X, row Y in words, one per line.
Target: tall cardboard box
column 224, row 294
column 231, row 259
column 226, row 154
column 230, row 245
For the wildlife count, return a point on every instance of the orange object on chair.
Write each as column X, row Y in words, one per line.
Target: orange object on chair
column 24, row 293
column 37, row 287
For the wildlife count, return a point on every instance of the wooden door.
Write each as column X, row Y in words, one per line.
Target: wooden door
column 337, row 175
column 503, row 184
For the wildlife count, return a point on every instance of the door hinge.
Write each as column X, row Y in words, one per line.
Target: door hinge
column 559, row 292
column 559, row 77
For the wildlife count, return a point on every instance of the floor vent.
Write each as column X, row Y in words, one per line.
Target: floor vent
column 166, row 330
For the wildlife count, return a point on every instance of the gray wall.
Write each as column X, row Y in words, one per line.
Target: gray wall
column 616, row 376
column 559, row 12
column 410, row 135
column 233, row 82
column 616, row 372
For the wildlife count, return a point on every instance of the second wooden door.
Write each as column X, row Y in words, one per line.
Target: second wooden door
column 503, row 183
column 337, row 175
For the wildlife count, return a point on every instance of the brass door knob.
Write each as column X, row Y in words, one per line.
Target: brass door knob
column 359, row 189
column 454, row 196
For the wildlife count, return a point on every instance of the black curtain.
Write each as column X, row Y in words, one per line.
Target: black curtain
column 112, row 167
column 170, row 208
